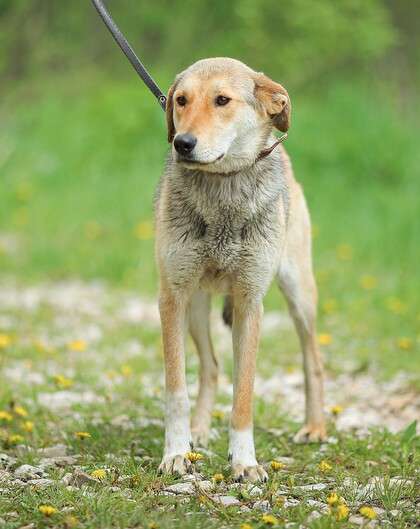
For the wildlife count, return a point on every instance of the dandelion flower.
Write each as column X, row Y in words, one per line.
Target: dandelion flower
column 344, row 252
column 405, row 343
column 218, row 415
column 333, row 498
column 276, row 465
column 144, row 230
column 368, row 282
column 336, row 409
column 218, row 478
column 324, row 339
column 342, row 512
column 47, row 510
column 82, row 435
column 269, row 519
column 368, row 512
column 126, row 371
column 100, row 473
column 194, row 456
column 5, row 416
column 5, row 341
column 245, row 526
column 20, row 410
column 77, row 345
column 28, row 426
column 396, row 306
column 15, row 439
column 62, row 381
column 324, row 466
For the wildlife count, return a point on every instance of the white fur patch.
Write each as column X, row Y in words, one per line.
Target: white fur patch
column 177, row 424
column 241, row 447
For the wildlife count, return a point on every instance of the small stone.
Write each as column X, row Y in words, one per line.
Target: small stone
column 262, row 505
column 290, row 502
column 226, row 501
column 41, row 482
column 356, row 519
column 59, row 450
column 313, row 516
column 310, row 488
column 80, row 478
column 318, row 504
column 26, row 472
column 394, row 513
column 60, row 461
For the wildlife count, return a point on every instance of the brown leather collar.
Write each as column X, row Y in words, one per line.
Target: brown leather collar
column 266, row 152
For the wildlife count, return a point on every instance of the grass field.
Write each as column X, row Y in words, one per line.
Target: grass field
column 79, row 336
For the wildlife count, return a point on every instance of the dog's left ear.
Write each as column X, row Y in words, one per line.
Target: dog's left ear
column 275, row 101
column 170, row 112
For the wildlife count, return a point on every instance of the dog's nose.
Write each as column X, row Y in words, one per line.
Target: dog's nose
column 185, row 143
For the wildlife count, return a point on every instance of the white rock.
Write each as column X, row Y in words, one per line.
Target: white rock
column 262, row 505
column 226, row 501
column 310, row 488
column 26, row 472
column 41, row 482
column 313, row 516
column 53, row 451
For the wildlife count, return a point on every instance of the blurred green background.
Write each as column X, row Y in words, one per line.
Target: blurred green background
column 82, row 144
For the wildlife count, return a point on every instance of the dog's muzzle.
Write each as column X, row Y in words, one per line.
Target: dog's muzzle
column 184, row 144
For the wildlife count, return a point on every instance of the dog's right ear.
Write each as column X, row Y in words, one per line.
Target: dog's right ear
column 170, row 112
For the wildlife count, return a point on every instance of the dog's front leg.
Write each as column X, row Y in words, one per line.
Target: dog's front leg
column 245, row 334
column 177, row 408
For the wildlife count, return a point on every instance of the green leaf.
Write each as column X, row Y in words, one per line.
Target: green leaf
column 409, row 433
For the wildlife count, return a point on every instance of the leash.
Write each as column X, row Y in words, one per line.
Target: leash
column 266, row 152
column 129, row 53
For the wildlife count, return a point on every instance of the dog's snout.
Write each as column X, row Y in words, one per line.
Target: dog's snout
column 185, row 143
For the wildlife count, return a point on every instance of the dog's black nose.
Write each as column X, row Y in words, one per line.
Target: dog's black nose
column 185, row 143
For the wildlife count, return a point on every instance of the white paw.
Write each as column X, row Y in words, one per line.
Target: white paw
column 254, row 473
column 311, row 434
column 177, row 464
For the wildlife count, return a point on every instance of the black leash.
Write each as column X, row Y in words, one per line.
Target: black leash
column 129, row 53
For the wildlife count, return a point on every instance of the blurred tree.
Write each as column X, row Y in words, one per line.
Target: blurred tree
column 300, row 40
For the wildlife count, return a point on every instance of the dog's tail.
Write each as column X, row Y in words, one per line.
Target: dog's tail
column 228, row 311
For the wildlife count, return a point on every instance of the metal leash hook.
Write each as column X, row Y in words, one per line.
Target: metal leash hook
column 129, row 53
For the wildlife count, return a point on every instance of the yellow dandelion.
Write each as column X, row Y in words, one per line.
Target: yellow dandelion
column 329, row 306
column 218, row 478
column 28, row 426
column 144, row 230
column 333, row 498
column 194, row 456
column 245, row 526
column 100, row 473
column 5, row 341
column 324, row 466
column 5, row 416
column 344, row 252
column 336, row 409
column 368, row 282
column 126, row 371
column 269, row 519
column 276, row 465
column 47, row 510
column 396, row 306
column 71, row 521
column 342, row 512
column 15, row 439
column 405, row 343
column 62, row 381
column 368, row 512
column 324, row 339
column 82, row 435
column 218, row 415
column 77, row 345
column 20, row 411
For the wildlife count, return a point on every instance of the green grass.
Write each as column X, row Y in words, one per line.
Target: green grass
column 79, row 161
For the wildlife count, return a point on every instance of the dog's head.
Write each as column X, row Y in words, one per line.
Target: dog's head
column 220, row 114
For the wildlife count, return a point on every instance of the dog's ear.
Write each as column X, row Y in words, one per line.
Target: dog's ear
column 274, row 99
column 170, row 112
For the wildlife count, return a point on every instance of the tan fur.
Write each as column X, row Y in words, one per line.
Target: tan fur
column 217, row 231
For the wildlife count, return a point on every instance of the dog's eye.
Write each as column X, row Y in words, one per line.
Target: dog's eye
column 181, row 100
column 222, row 101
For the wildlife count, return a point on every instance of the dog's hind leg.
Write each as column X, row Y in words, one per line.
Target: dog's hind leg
column 199, row 326
column 295, row 278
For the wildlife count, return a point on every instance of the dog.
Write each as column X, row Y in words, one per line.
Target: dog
column 230, row 217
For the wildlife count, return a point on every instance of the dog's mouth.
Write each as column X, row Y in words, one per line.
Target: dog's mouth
column 192, row 162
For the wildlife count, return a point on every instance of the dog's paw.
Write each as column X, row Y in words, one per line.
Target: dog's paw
column 254, row 474
column 200, row 435
column 175, row 464
column 311, row 434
